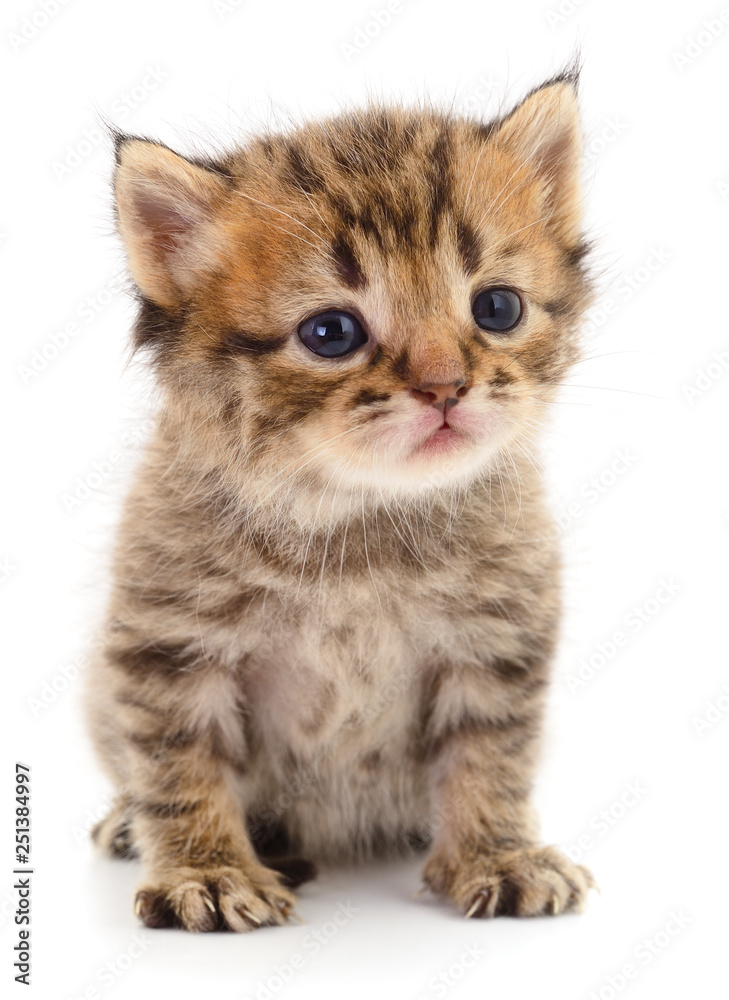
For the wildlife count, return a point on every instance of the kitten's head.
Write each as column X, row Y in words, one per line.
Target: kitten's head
column 381, row 302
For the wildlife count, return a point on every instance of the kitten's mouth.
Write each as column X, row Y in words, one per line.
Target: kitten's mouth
column 443, row 439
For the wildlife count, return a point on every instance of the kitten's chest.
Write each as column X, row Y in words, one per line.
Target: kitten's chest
column 317, row 680
column 349, row 668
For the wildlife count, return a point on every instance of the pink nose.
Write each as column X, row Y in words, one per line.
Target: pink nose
column 442, row 397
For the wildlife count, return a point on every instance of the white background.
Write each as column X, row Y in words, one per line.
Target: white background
column 626, row 739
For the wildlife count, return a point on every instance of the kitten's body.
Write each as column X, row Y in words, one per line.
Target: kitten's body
column 331, row 672
column 324, row 625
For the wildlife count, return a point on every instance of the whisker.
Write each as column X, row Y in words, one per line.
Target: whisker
column 610, row 388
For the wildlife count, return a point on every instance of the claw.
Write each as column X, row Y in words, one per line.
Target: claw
column 138, row 902
column 479, row 904
column 209, row 903
column 249, row 916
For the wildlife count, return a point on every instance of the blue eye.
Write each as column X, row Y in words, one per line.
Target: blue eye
column 497, row 309
column 332, row 334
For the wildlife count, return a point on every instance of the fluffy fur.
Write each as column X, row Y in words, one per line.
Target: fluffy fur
column 330, row 636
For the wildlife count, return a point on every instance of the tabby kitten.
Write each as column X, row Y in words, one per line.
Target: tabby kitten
column 336, row 588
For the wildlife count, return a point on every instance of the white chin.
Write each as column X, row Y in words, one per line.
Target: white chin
column 424, row 469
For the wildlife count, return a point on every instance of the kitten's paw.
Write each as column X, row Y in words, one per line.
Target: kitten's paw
column 112, row 834
column 215, row 898
column 529, row 882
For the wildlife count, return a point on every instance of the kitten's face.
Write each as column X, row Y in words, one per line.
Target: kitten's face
column 382, row 302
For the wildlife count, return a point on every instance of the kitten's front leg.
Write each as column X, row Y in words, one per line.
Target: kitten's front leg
column 178, row 809
column 485, row 855
column 202, row 872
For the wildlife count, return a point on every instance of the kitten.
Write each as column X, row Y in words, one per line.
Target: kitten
column 336, row 589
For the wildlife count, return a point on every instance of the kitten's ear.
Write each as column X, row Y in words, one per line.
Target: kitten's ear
column 166, row 210
column 543, row 134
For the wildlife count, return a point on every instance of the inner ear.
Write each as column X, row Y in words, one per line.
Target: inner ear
column 164, row 219
column 544, row 138
column 168, row 212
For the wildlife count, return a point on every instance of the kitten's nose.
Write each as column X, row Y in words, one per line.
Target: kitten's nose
column 442, row 397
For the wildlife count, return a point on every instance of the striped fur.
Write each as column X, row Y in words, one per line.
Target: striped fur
column 325, row 637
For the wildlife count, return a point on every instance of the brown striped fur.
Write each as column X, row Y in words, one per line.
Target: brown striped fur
column 325, row 638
